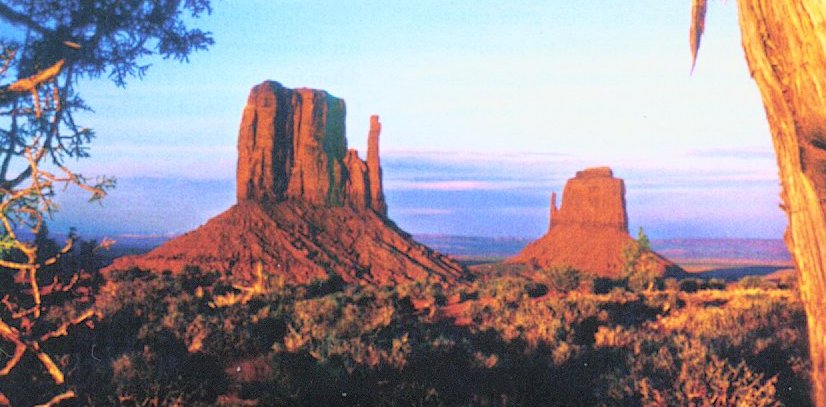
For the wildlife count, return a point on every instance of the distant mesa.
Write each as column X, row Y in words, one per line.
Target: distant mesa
column 307, row 207
column 589, row 231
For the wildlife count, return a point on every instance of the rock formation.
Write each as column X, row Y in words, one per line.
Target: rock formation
column 292, row 145
column 374, row 167
column 594, row 198
column 307, row 208
column 590, row 230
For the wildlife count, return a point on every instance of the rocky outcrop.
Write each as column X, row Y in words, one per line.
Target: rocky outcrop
column 308, row 208
column 291, row 145
column 374, row 167
column 589, row 231
column 358, row 192
column 594, row 198
column 303, row 243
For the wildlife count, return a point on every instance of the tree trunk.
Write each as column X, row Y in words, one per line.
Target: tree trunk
column 785, row 46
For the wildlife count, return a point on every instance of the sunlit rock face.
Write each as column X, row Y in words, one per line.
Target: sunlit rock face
column 292, row 145
column 307, row 207
column 594, row 198
column 589, row 231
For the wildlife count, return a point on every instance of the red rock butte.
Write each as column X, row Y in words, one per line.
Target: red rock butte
column 589, row 231
column 307, row 207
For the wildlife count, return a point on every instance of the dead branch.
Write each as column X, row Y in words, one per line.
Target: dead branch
column 67, row 395
column 63, row 329
column 57, row 286
column 22, row 205
column 10, row 334
column 31, row 83
column 48, row 363
column 7, row 62
column 247, row 293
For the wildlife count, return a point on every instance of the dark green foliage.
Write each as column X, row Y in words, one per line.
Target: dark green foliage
column 639, row 266
column 753, row 282
column 92, row 39
column 691, row 285
column 112, row 37
column 716, row 284
column 564, row 279
column 604, row 285
column 536, row 290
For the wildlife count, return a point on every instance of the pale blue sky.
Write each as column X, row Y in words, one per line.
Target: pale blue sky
column 493, row 102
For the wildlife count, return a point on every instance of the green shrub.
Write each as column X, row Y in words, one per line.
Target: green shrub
column 671, row 284
column 691, row 285
column 564, row 279
column 640, row 266
column 753, row 282
column 603, row 285
column 715, row 284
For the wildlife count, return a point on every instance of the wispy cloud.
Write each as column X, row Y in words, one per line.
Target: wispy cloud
column 458, row 192
column 480, row 157
column 145, row 235
column 442, row 185
column 479, row 182
column 422, row 211
column 746, row 153
column 475, row 171
column 138, row 149
column 160, row 161
column 525, row 210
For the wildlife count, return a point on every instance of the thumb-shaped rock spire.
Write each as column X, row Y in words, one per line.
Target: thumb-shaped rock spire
column 374, row 167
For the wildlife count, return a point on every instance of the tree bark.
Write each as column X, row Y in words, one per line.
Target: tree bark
column 785, row 46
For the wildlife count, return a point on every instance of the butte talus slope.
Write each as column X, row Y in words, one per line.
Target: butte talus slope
column 590, row 230
column 307, row 207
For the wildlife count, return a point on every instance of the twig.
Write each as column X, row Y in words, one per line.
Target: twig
column 69, row 394
column 63, row 329
column 30, row 84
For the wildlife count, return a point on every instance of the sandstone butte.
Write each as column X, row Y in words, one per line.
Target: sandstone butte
column 589, row 231
column 307, row 207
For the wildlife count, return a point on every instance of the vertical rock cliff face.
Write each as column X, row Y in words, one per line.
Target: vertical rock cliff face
column 293, row 145
column 307, row 208
column 265, row 142
column 319, row 144
column 593, row 198
column 590, row 230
